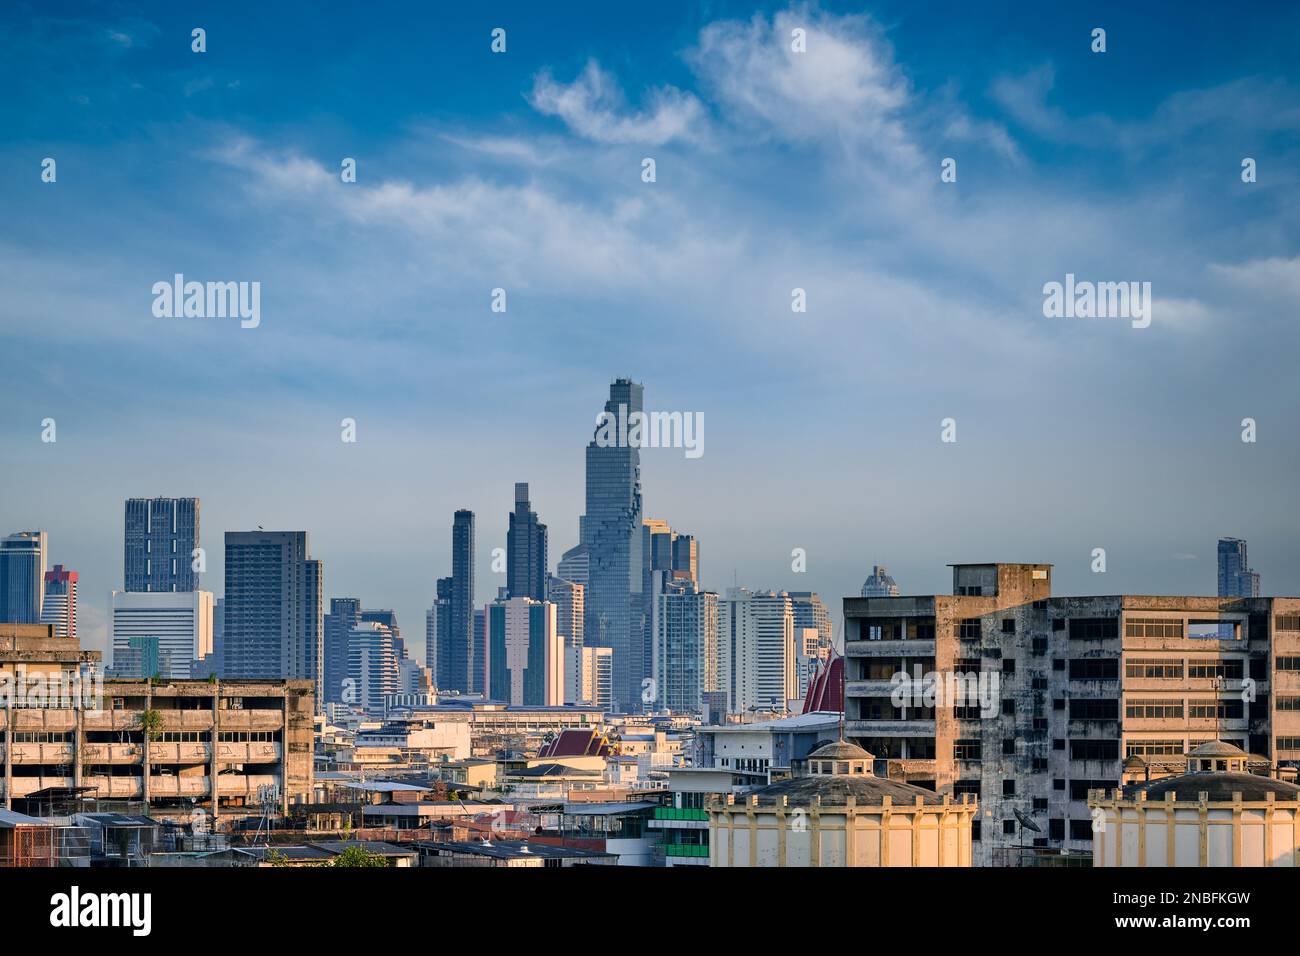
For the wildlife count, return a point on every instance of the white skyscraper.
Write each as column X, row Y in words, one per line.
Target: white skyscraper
column 373, row 667
column 756, row 652
column 163, row 632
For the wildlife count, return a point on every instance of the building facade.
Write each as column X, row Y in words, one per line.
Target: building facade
column 274, row 614
column 524, row 662
column 686, row 644
column 526, row 563
column 23, row 557
column 59, row 606
column 1047, row 696
column 160, row 633
column 611, row 530
column 161, row 537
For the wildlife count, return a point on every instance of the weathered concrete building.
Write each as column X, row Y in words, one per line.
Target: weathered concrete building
column 1054, row 693
column 220, row 746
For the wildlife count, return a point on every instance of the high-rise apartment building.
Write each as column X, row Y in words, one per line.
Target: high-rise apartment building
column 523, row 663
column 274, row 615
column 1236, row 579
column 161, row 537
column 809, row 611
column 456, row 658
column 757, row 660
column 611, row 531
column 343, row 616
column 162, row 633
column 60, row 604
column 1048, row 697
column 373, row 667
column 569, row 600
column 686, row 645
column 526, row 563
column 23, row 559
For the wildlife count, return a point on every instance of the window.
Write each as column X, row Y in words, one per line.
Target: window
column 1058, row 703
column 1058, row 784
column 1039, row 765
column 967, row 712
column 1215, row 709
column 1288, row 622
column 969, row 664
column 1154, row 710
column 967, row 749
column 1290, row 744
column 1009, row 827
column 1039, row 683
column 966, row 786
column 1223, row 669
column 1058, row 743
column 1056, row 829
column 1079, row 788
column 1058, row 663
column 969, row 629
column 1040, row 645
column 1081, row 830
column 1058, row 624
column 1009, row 665
column 1008, row 625
column 1154, row 748
column 1008, row 707
column 1093, row 628
column 1094, row 749
column 1288, row 703
column 975, row 830
column 1283, row 664
column 1094, row 668
column 1040, row 803
column 1153, row 668
column 1153, row 627
column 1082, row 708
column 1008, row 746
column 1009, row 787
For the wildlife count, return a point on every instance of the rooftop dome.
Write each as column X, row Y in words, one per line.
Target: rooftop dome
column 1217, row 748
column 1219, row 786
column 840, row 750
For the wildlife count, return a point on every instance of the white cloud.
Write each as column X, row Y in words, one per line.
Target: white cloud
column 594, row 107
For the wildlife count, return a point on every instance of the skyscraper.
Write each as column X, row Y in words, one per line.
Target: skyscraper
column 525, row 549
column 344, row 615
column 666, row 556
column 569, row 600
column 757, row 664
column 456, row 653
column 273, row 607
column 523, row 660
column 60, row 604
column 439, row 657
column 22, row 577
column 880, row 584
column 574, row 565
column 810, row 612
column 686, row 639
column 373, row 666
column 611, row 530
column 161, row 536
column 160, row 633
column 1236, row 579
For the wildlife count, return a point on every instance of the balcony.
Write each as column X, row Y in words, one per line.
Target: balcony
column 179, row 753
column 177, row 720
column 111, row 720
column 249, row 752
column 26, row 786
column 41, row 753
column 870, row 688
column 889, row 728
column 111, row 753
column 167, row 785
column 891, row 648
column 127, row 788
column 246, row 785
column 38, row 719
column 250, row 720
column 686, row 851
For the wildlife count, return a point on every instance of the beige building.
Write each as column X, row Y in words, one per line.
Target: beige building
column 835, row 812
column 1070, row 688
column 223, row 746
column 1215, row 814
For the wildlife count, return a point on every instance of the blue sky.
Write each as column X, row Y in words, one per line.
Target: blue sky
column 775, row 170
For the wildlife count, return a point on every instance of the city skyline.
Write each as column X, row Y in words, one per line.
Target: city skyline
column 923, row 298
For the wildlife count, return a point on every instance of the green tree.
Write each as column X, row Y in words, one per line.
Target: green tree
column 151, row 722
column 358, row 855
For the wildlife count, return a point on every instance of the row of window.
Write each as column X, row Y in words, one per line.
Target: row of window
column 1173, row 709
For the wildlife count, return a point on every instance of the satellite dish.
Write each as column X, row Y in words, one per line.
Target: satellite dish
column 1027, row 821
